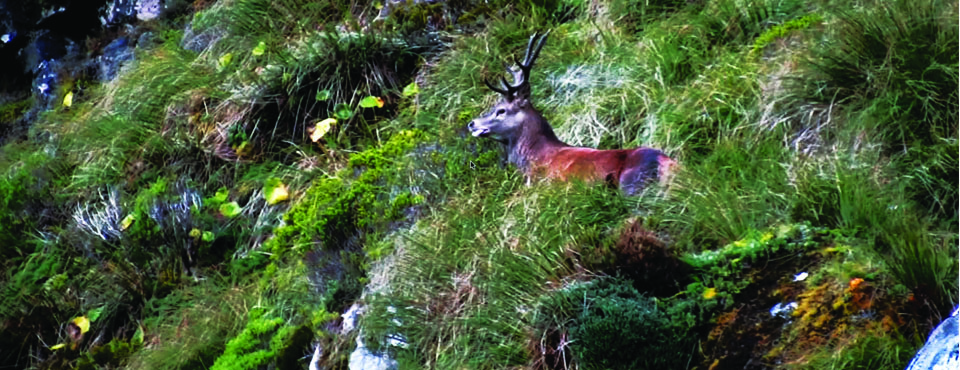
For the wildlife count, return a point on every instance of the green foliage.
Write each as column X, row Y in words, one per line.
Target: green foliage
column 244, row 351
column 734, row 189
column 329, row 72
column 634, row 15
column 27, row 181
column 192, row 325
column 106, row 139
column 612, row 326
column 498, row 249
column 283, row 18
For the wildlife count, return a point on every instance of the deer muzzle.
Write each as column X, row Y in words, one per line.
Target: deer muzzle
column 477, row 131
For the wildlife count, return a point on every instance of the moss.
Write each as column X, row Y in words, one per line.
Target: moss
column 783, row 30
column 11, row 112
column 246, row 350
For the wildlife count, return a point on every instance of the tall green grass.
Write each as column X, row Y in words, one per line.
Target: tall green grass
column 463, row 293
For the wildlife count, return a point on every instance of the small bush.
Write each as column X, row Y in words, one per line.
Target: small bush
column 612, row 326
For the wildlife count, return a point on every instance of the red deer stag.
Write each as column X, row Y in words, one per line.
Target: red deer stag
column 535, row 149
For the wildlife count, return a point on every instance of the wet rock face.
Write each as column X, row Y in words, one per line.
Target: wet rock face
column 46, row 43
column 942, row 350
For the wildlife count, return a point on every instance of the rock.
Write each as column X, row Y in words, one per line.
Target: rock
column 942, row 350
column 350, row 318
column 199, row 41
column 114, row 55
column 364, row 359
column 147, row 40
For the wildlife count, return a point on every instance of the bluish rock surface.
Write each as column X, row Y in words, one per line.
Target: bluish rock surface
column 942, row 350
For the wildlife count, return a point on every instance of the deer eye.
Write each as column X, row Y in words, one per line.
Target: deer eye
column 501, row 111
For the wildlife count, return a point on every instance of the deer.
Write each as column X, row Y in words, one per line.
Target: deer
column 533, row 147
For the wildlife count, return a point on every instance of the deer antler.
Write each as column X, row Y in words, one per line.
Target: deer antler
column 521, row 74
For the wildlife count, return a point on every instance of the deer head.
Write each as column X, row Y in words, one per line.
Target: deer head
column 505, row 121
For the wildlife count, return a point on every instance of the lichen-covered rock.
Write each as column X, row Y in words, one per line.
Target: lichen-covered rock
column 942, row 350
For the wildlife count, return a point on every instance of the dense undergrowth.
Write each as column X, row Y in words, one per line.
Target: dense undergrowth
column 222, row 207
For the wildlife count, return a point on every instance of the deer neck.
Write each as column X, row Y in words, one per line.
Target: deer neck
column 535, row 144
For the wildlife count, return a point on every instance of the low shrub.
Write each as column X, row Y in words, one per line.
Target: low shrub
column 610, row 325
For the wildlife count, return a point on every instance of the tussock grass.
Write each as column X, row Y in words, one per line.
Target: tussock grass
column 471, row 284
column 129, row 116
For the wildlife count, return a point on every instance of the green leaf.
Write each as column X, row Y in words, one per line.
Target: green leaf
column 137, row 338
column 323, row 95
column 224, row 61
column 371, row 101
column 222, row 195
column 208, row 236
column 95, row 313
column 275, row 191
column 230, row 210
column 260, row 49
column 342, row 111
column 411, row 89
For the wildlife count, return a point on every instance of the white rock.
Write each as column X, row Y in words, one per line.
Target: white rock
column 942, row 350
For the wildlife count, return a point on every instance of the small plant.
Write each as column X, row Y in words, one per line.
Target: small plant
column 612, row 326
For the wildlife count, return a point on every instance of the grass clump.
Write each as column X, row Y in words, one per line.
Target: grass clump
column 898, row 63
column 608, row 324
column 873, row 349
column 497, row 250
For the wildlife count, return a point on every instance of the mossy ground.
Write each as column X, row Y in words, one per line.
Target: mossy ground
column 815, row 139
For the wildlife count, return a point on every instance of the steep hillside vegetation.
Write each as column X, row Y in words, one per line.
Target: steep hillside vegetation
column 262, row 167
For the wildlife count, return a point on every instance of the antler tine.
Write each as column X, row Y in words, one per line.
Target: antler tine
column 504, row 92
column 506, row 86
column 533, row 52
column 521, row 74
column 534, row 45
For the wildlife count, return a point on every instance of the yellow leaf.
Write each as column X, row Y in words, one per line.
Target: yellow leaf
column 710, row 293
column 322, row 128
column 83, row 323
column 275, row 191
column 68, row 99
column 58, row 346
column 127, row 221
